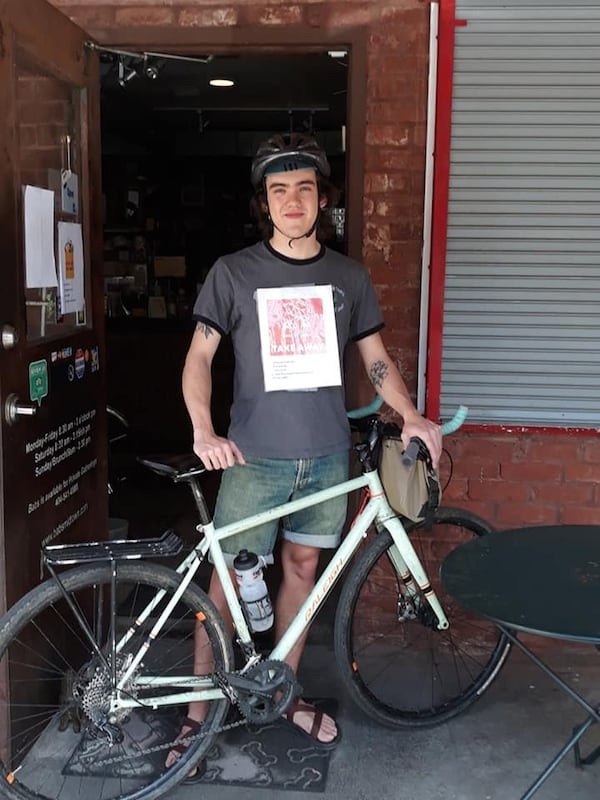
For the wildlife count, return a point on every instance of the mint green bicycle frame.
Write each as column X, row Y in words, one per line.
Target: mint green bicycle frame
column 377, row 509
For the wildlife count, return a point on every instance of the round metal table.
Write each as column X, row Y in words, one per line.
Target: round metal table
column 543, row 581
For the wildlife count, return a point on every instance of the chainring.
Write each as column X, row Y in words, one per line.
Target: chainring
column 262, row 707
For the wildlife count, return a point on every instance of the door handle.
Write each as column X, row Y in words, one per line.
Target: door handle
column 13, row 409
column 8, row 337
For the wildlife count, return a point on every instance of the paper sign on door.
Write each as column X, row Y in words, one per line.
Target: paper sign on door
column 298, row 338
column 71, row 267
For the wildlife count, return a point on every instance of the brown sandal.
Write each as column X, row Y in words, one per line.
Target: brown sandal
column 313, row 734
column 194, row 727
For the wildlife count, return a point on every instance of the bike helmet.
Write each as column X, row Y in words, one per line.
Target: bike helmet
column 288, row 151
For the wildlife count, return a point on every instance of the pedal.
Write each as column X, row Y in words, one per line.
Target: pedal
column 169, row 544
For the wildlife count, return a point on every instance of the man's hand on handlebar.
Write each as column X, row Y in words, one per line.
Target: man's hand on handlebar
column 216, row 452
column 416, row 426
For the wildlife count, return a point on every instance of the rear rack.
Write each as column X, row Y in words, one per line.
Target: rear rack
column 169, row 544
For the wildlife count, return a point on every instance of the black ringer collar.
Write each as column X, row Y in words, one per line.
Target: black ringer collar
column 295, row 261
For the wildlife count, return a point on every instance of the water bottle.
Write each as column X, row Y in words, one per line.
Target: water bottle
column 253, row 591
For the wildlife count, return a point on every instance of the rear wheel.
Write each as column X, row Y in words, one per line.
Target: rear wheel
column 62, row 743
column 404, row 672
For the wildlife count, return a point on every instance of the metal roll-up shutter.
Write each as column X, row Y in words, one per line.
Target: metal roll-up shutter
column 521, row 334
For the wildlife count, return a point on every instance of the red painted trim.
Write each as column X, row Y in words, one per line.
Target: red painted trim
column 439, row 220
column 526, row 429
column 439, row 231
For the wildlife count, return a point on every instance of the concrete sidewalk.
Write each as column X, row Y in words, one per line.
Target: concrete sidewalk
column 494, row 751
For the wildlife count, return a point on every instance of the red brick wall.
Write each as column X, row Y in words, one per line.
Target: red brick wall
column 43, row 106
column 511, row 478
column 518, row 479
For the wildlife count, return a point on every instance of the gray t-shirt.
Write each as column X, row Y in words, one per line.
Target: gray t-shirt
column 284, row 424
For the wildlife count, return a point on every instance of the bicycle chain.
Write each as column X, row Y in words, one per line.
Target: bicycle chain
column 187, row 740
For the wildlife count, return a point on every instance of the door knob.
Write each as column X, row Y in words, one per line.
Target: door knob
column 13, row 409
column 8, row 336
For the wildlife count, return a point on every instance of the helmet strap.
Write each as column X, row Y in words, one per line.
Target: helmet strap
column 306, row 235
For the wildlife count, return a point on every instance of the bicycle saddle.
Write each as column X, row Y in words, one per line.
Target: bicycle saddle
column 179, row 468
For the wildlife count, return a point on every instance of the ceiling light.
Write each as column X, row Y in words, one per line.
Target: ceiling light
column 150, row 70
column 222, row 83
column 337, row 53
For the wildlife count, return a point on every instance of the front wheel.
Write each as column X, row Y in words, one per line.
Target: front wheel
column 404, row 672
column 62, row 742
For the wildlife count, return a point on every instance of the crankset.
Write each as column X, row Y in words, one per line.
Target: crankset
column 264, row 691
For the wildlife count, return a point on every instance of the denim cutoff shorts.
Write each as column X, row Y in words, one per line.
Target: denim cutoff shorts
column 262, row 483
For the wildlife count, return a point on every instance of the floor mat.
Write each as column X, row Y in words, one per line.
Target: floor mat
column 144, row 729
column 274, row 756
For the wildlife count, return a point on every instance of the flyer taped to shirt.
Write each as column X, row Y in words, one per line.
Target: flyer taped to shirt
column 298, row 338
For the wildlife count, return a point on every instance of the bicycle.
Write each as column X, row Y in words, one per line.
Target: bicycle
column 101, row 655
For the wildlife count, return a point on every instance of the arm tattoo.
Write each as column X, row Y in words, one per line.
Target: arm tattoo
column 202, row 327
column 378, row 372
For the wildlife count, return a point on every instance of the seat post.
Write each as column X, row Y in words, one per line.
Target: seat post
column 200, row 500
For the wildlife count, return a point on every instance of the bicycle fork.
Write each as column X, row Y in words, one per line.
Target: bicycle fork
column 414, row 580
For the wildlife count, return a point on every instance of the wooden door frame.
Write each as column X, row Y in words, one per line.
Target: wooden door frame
column 34, row 27
column 264, row 39
column 36, row 38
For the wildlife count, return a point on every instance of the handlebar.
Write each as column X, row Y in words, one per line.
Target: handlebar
column 411, row 453
column 112, row 412
column 120, row 433
column 365, row 411
column 457, row 420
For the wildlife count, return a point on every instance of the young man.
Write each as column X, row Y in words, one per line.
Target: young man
column 282, row 301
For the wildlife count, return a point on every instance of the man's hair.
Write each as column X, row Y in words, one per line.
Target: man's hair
column 325, row 228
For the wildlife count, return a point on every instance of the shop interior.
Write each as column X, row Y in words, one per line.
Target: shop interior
column 176, row 154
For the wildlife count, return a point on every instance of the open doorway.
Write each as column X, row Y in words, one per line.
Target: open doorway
column 176, row 155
